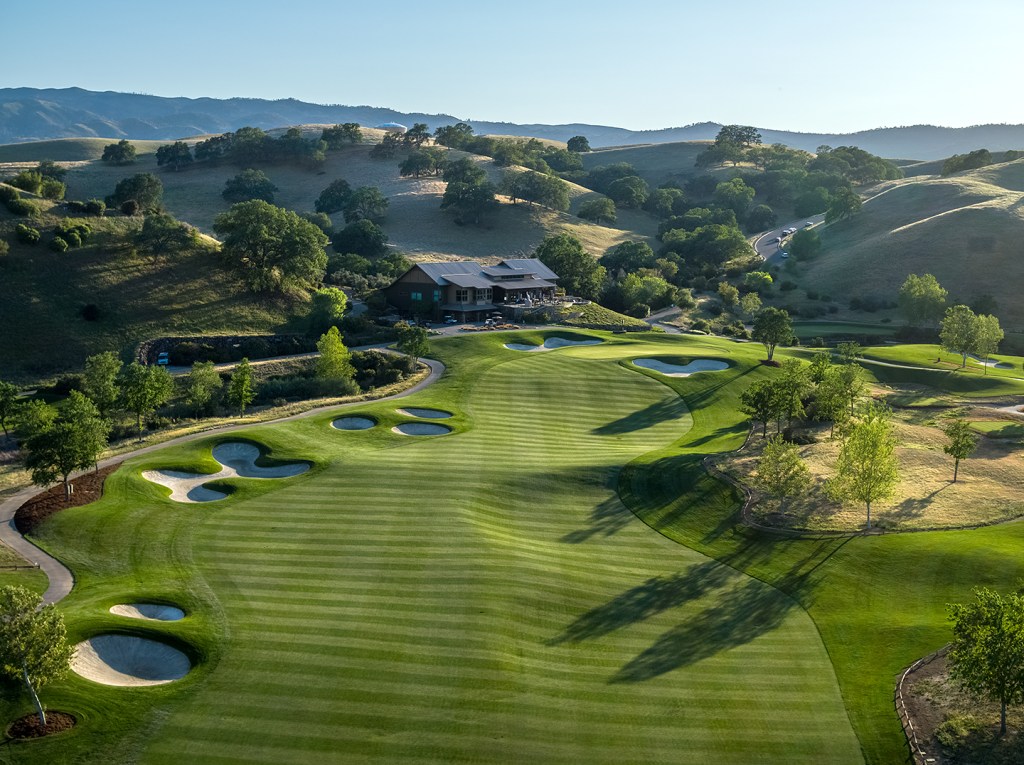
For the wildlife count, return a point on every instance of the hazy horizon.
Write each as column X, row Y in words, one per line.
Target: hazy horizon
column 646, row 66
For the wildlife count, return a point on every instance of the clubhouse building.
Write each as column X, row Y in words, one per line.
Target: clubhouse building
column 472, row 292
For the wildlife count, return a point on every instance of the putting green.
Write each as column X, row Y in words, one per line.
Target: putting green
column 481, row 597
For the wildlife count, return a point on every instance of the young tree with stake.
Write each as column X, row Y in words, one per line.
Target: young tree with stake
column 867, row 469
column 962, row 442
column 34, row 647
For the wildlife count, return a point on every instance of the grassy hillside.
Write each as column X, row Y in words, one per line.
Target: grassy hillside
column 415, row 223
column 67, row 149
column 655, row 163
column 139, row 295
column 965, row 229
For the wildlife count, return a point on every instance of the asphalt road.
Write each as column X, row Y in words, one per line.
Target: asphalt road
column 770, row 250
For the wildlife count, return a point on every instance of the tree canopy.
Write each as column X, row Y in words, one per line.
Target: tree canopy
column 145, row 189
column 143, row 389
column 249, row 184
column 922, row 300
column 867, row 469
column 771, row 327
column 578, row 271
column 962, row 442
column 174, row 155
column 72, row 441
column 120, row 153
column 34, row 647
column 781, row 472
column 334, row 197
column 241, row 390
column 986, row 655
column 273, row 249
column 578, row 144
column 365, row 203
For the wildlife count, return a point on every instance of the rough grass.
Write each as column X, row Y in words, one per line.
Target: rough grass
column 479, row 597
column 68, row 149
column 990, row 486
column 655, row 163
column 963, row 229
column 139, row 295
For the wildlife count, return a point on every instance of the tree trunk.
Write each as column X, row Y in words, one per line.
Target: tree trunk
column 963, row 359
column 67, row 489
column 956, row 467
column 869, row 514
column 35, row 697
column 1002, row 718
column 986, row 366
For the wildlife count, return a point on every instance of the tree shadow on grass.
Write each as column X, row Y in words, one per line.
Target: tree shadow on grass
column 740, row 616
column 666, row 409
column 657, row 594
column 606, row 518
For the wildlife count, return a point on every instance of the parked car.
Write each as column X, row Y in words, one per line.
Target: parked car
column 808, row 224
column 450, row 320
column 163, row 358
column 784, row 254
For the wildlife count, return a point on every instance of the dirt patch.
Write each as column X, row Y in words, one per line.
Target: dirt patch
column 955, row 728
column 990, row 488
column 88, row 488
column 29, row 727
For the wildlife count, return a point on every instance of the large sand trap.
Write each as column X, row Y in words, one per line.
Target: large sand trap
column 550, row 344
column 239, row 461
column 685, row 370
column 353, row 423
column 427, row 414
column 421, row 429
column 151, row 611
column 990, row 362
column 129, row 660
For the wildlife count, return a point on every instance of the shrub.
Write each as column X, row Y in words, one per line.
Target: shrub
column 75, row 206
column 27, row 234
column 787, row 285
column 812, row 295
column 955, row 730
column 59, row 244
column 28, row 180
column 7, row 194
column 817, row 342
column 96, row 207
column 4, row 248
column 701, row 325
column 23, row 207
column 52, row 189
column 130, row 207
column 75, row 234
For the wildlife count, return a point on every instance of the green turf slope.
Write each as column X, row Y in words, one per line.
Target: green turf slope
column 477, row 597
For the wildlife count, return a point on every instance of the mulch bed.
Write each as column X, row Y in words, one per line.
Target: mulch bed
column 88, row 488
column 29, row 727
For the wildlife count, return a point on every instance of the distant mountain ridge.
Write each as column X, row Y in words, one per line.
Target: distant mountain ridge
column 32, row 114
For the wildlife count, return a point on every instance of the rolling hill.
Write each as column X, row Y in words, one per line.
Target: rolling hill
column 28, row 114
column 141, row 295
column 965, row 229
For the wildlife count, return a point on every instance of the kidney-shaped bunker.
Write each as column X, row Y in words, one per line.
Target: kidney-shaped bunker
column 682, row 370
column 353, row 423
column 421, row 429
column 128, row 660
column 153, row 611
column 427, row 414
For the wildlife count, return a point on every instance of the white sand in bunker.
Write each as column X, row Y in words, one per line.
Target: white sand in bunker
column 239, row 461
column 427, row 414
column 353, row 423
column 151, row 611
column 129, row 660
column 551, row 344
column 421, row 429
column 681, row 370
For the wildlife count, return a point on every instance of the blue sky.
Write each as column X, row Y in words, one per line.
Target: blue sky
column 790, row 64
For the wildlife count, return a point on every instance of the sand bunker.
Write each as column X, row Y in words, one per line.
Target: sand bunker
column 239, row 461
column 129, row 660
column 427, row 414
column 151, row 611
column 353, row 423
column 421, row 429
column 684, row 370
column 550, row 344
